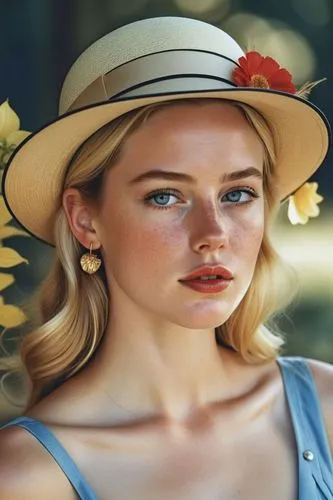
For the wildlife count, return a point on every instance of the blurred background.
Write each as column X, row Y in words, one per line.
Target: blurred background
column 40, row 39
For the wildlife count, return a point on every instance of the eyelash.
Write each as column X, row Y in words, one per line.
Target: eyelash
column 168, row 191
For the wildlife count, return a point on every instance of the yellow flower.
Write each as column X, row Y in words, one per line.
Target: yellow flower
column 304, row 203
column 10, row 135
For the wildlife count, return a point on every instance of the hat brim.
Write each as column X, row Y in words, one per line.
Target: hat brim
column 33, row 179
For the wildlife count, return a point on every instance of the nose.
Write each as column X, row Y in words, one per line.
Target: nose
column 209, row 229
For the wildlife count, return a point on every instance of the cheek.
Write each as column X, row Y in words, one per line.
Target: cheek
column 246, row 237
column 145, row 242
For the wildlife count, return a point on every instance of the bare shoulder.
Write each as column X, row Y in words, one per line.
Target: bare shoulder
column 27, row 471
column 323, row 376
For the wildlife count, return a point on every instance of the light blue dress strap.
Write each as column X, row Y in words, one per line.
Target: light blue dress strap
column 315, row 463
column 58, row 452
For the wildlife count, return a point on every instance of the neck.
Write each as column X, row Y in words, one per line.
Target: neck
column 153, row 368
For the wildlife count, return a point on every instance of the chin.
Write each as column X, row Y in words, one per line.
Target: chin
column 207, row 314
column 204, row 319
column 207, row 324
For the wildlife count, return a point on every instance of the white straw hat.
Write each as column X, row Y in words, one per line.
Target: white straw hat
column 149, row 61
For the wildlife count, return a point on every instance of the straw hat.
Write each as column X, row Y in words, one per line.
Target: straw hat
column 145, row 62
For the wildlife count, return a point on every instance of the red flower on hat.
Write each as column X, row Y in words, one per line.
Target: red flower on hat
column 263, row 72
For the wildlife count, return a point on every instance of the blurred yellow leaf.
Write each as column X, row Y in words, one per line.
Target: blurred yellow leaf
column 11, row 316
column 5, row 216
column 15, row 138
column 1, row 300
column 5, row 157
column 10, row 258
column 8, row 231
column 9, row 121
column 6, row 280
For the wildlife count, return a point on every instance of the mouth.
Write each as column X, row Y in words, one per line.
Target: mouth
column 209, row 284
column 209, row 272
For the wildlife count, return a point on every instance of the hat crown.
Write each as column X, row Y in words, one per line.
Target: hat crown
column 139, row 39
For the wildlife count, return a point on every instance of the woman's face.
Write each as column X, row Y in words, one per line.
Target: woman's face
column 155, row 231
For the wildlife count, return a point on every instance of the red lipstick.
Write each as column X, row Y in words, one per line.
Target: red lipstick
column 208, row 279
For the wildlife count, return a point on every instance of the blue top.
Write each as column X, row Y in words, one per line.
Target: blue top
column 315, row 464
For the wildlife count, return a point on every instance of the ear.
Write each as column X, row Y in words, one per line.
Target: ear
column 80, row 218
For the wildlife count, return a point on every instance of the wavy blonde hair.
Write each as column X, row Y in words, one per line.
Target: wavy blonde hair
column 73, row 306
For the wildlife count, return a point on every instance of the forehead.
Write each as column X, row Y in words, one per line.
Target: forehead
column 192, row 136
column 200, row 115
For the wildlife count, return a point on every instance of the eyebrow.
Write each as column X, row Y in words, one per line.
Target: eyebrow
column 178, row 176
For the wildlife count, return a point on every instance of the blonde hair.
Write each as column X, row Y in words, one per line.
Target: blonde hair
column 73, row 306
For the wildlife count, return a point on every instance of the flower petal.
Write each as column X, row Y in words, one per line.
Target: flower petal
column 282, row 80
column 307, row 205
column 306, row 199
column 9, row 121
column 294, row 215
column 268, row 67
column 289, row 88
column 15, row 138
column 254, row 61
column 5, row 157
column 281, row 76
column 240, row 78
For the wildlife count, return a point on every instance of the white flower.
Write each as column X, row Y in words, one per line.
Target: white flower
column 304, row 203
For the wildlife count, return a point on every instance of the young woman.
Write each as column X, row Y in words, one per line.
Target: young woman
column 153, row 372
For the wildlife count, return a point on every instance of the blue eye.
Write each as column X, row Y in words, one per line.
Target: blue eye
column 161, row 197
column 240, row 196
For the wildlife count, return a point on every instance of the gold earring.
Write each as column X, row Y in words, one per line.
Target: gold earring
column 89, row 262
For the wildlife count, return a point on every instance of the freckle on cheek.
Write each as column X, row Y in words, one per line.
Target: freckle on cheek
column 159, row 242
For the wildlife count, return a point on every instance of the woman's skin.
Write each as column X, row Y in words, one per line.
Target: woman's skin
column 162, row 406
column 160, row 340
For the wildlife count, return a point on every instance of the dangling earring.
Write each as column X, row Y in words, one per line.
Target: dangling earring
column 89, row 262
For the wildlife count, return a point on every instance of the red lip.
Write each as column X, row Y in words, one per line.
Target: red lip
column 212, row 270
